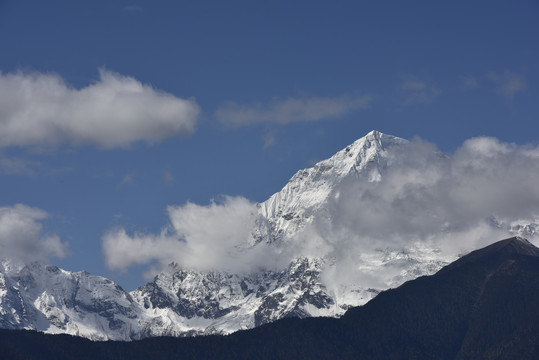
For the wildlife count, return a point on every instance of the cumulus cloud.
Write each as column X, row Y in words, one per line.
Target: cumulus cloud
column 417, row 91
column 215, row 236
column 40, row 110
column 451, row 202
column 290, row 110
column 508, row 83
column 22, row 237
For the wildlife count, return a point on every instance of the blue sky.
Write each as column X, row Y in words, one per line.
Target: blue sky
column 213, row 98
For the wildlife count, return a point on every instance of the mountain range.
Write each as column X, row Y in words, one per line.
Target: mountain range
column 482, row 306
column 183, row 301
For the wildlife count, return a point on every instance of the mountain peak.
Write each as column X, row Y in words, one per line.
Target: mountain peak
column 307, row 191
column 368, row 147
column 512, row 246
column 498, row 251
column 517, row 245
column 374, row 134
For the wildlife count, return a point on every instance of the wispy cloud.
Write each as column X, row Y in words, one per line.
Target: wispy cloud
column 18, row 166
column 22, row 237
column 508, row 83
column 269, row 138
column 128, row 179
column 14, row 165
column 168, row 178
column 468, row 81
column 417, row 91
column 41, row 110
column 290, row 110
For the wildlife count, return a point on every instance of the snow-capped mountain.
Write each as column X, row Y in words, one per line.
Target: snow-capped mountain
column 209, row 302
column 53, row 300
column 188, row 302
column 182, row 302
column 304, row 197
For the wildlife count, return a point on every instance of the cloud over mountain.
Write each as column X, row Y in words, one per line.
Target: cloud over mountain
column 205, row 237
column 453, row 202
column 41, row 110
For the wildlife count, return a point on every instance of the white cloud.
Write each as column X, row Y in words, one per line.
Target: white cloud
column 22, row 237
column 202, row 237
column 417, row 91
column 508, row 83
column 40, row 110
column 290, row 110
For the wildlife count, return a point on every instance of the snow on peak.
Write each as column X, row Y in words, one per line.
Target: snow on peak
column 308, row 190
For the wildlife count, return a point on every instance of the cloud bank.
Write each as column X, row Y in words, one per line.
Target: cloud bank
column 214, row 236
column 41, row 110
column 290, row 110
column 22, row 237
column 449, row 201
column 454, row 203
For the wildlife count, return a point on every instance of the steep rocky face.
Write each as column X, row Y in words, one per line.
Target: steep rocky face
column 228, row 302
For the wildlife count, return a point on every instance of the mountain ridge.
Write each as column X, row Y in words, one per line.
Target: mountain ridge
column 479, row 310
column 513, row 245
